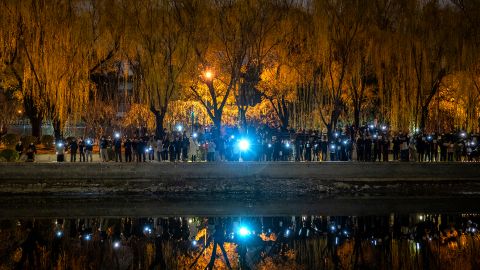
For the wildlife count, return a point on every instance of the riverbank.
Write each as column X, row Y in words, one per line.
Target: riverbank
column 268, row 179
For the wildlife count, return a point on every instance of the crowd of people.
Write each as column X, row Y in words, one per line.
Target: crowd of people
column 369, row 143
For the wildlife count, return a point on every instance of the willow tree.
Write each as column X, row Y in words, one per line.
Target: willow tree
column 221, row 52
column 337, row 27
column 56, row 45
column 432, row 53
column 162, row 40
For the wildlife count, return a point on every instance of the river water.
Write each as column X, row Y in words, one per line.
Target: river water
column 141, row 232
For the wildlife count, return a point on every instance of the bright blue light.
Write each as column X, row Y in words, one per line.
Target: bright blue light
column 345, row 142
column 332, row 146
column 117, row 135
column 244, row 231
column 88, row 237
column 116, row 244
column 269, row 145
column 232, row 137
column 345, row 232
column 287, row 144
column 384, row 127
column 244, row 144
column 336, row 134
column 287, row 232
column 147, row 229
column 194, row 243
column 59, row 234
column 60, row 144
column 332, row 228
column 463, row 134
column 179, row 128
column 89, row 142
column 195, row 135
column 371, row 126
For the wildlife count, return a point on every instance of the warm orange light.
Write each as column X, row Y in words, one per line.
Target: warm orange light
column 19, row 111
column 208, row 75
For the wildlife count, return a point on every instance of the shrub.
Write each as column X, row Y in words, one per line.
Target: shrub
column 10, row 140
column 9, row 155
column 26, row 140
column 47, row 141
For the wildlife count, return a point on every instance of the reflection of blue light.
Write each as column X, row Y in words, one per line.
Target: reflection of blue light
column 287, row 144
column 418, row 245
column 336, row 240
column 244, row 144
column 269, row 145
column 287, row 232
column 244, row 231
column 232, row 137
column 59, row 234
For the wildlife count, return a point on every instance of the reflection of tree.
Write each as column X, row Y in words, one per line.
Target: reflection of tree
column 218, row 239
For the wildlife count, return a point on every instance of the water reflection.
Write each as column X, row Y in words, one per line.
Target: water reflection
column 416, row 241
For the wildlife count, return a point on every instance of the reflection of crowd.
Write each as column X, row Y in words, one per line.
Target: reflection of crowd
column 368, row 143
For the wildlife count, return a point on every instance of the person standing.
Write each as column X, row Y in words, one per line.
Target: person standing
column 104, row 149
column 171, row 151
column 118, row 148
column 178, row 148
column 60, row 151
column 128, row 150
column 73, row 150
column 166, row 147
column 159, row 149
column 89, row 150
column 193, row 149
column 81, row 149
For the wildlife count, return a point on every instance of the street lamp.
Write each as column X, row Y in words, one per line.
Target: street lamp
column 208, row 75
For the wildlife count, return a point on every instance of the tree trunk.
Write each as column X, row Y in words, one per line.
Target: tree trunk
column 36, row 123
column 217, row 121
column 34, row 115
column 424, row 118
column 57, row 129
column 356, row 116
column 159, row 117
column 243, row 116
